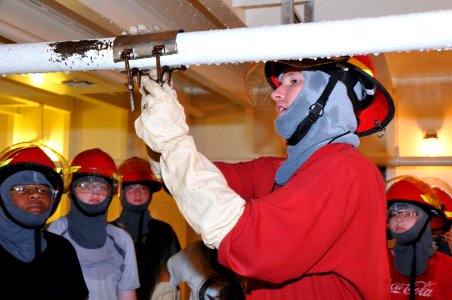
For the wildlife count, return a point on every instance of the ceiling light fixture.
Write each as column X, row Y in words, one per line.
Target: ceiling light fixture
column 82, row 83
column 431, row 144
column 430, row 134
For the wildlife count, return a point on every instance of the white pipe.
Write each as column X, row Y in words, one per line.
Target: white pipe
column 411, row 161
column 421, row 31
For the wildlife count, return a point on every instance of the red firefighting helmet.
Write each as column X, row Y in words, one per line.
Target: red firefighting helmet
column 375, row 111
column 32, row 156
column 95, row 162
column 410, row 189
column 443, row 192
column 138, row 170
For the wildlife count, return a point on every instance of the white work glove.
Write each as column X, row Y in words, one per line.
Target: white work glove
column 201, row 192
column 141, row 29
column 162, row 120
column 165, row 291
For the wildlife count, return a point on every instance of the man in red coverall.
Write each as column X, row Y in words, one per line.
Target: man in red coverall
column 309, row 226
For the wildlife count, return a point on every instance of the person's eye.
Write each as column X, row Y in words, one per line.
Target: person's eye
column 42, row 190
column 293, row 81
column 84, row 186
column 20, row 189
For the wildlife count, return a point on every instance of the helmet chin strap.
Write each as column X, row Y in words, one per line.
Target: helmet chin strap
column 413, row 262
column 316, row 110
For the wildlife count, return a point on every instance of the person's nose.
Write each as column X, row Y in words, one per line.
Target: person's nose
column 95, row 192
column 277, row 94
column 35, row 195
column 399, row 219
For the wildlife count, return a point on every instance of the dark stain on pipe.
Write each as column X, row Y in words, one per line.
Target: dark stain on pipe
column 71, row 48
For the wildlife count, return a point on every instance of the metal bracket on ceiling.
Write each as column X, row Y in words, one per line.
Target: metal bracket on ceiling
column 289, row 15
column 130, row 47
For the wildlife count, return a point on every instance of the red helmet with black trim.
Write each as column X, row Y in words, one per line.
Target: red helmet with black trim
column 413, row 190
column 95, row 162
column 373, row 113
column 138, row 170
column 32, row 156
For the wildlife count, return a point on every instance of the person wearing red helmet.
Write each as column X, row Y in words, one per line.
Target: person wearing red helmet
column 35, row 264
column 155, row 241
column 443, row 236
column 289, row 225
column 105, row 251
column 417, row 270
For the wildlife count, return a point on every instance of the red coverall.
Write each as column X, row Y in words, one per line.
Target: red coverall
column 434, row 284
column 320, row 236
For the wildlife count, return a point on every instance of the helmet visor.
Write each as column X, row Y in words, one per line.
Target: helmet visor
column 261, row 79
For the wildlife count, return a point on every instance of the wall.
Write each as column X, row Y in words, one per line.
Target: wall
column 240, row 135
column 6, row 134
column 98, row 126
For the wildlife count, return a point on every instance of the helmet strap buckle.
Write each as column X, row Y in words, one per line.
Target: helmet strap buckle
column 316, row 111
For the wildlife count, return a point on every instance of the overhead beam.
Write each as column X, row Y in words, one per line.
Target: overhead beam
column 11, row 34
column 219, row 13
column 260, row 3
column 84, row 15
column 221, row 82
column 26, row 92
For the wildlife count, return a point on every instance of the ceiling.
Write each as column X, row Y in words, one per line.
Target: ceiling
column 216, row 87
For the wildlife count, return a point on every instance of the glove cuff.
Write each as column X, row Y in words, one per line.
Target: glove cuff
column 171, row 144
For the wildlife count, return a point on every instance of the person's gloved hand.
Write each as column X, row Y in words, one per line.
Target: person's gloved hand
column 162, row 121
column 165, row 291
column 141, row 29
